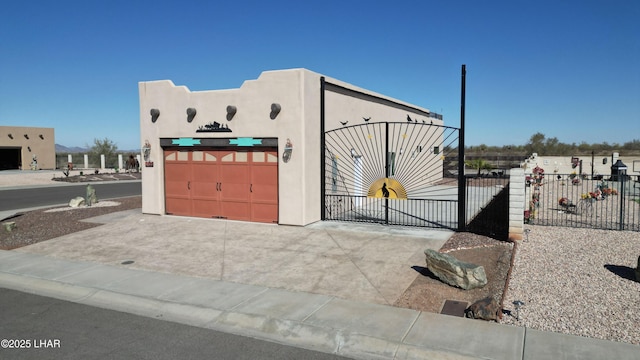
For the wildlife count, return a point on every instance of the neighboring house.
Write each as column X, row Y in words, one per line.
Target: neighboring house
column 254, row 153
column 20, row 146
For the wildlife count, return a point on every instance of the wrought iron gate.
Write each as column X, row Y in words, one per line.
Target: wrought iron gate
column 391, row 173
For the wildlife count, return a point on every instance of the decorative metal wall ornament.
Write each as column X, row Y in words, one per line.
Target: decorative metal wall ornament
column 231, row 112
column 214, row 127
column 275, row 110
column 288, row 149
column 191, row 113
column 155, row 113
column 366, row 119
column 41, row 136
column 10, row 136
column 26, row 136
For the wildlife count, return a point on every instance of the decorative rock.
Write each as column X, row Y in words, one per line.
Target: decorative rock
column 485, row 309
column 76, row 201
column 9, row 225
column 455, row 272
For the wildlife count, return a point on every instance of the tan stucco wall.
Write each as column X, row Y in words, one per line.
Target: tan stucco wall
column 298, row 93
column 38, row 141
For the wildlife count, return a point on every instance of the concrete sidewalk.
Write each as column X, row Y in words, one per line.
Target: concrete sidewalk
column 326, row 287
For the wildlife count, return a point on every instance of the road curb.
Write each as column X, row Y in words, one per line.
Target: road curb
column 288, row 332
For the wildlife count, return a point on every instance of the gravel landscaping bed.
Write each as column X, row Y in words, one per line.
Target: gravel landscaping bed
column 40, row 225
column 577, row 281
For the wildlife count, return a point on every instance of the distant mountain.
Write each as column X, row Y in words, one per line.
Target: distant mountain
column 74, row 149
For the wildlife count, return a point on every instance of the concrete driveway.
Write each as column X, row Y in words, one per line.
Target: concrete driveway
column 368, row 263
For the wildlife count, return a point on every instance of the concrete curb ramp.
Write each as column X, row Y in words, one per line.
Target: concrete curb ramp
column 317, row 322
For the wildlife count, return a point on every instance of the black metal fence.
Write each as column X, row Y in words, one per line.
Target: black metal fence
column 486, row 213
column 406, row 212
column 581, row 201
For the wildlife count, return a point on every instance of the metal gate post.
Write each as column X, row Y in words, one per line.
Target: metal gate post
column 322, row 154
column 386, row 172
column 462, row 204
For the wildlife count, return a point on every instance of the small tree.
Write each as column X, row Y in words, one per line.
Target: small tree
column 479, row 164
column 104, row 147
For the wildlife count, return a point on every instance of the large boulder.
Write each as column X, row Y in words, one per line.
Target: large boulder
column 455, row 272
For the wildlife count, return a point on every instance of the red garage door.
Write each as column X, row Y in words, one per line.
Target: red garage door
column 228, row 184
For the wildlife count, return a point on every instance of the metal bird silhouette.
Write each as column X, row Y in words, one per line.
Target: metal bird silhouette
column 344, row 123
column 409, row 118
column 366, row 119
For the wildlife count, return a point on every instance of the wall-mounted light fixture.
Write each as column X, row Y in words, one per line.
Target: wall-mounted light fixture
column 10, row 136
column 275, row 110
column 41, row 136
column 26, row 136
column 288, row 149
column 191, row 113
column 231, row 112
column 155, row 114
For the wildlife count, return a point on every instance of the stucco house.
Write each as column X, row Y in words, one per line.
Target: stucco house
column 271, row 150
column 20, row 145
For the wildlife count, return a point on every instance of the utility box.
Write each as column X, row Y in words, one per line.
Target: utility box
column 618, row 171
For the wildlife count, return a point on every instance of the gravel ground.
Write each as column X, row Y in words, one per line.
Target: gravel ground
column 577, row 281
column 40, row 225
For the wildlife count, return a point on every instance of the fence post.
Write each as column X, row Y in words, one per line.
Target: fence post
column 622, row 179
column 517, row 200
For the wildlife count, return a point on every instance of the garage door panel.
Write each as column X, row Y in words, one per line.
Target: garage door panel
column 264, row 194
column 235, row 192
column 176, row 185
column 234, row 210
column 206, row 208
column 264, row 212
column 264, row 181
column 178, row 206
column 234, row 187
column 234, row 173
column 207, row 190
column 264, row 174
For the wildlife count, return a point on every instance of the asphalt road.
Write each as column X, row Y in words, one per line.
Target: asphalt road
column 36, row 327
column 13, row 199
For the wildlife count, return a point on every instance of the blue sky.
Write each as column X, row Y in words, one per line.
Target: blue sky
column 567, row 69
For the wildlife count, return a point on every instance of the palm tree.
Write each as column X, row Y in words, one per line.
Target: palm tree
column 479, row 164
